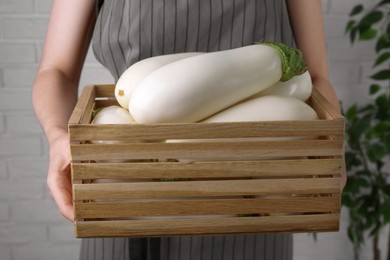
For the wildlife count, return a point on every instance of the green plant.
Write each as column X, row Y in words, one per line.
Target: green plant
column 367, row 193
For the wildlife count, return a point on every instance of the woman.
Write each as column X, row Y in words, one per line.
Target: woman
column 124, row 32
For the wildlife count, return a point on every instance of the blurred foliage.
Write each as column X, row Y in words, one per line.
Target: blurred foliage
column 367, row 193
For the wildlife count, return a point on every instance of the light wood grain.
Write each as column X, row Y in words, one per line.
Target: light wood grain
column 286, row 205
column 139, row 228
column 242, row 169
column 292, row 194
column 206, row 188
column 82, row 107
column 310, row 128
column 207, row 150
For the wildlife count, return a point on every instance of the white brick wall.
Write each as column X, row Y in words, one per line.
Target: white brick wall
column 30, row 225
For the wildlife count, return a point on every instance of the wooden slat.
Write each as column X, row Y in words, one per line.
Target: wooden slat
column 292, row 223
column 206, row 130
column 326, row 105
column 105, row 90
column 270, row 168
column 207, row 207
column 206, row 188
column 275, row 181
column 106, row 103
column 83, row 105
column 207, row 150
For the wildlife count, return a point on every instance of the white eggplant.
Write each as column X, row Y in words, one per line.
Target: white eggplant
column 192, row 89
column 112, row 115
column 299, row 86
column 131, row 77
column 266, row 108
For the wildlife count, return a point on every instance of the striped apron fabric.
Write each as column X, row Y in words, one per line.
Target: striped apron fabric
column 131, row 30
column 127, row 31
column 240, row 247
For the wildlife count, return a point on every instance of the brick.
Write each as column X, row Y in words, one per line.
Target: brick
column 43, row 6
column 352, row 94
column 24, row 28
column 47, row 251
column 18, row 77
column 95, row 75
column 2, row 124
column 5, row 252
column 4, row 212
column 19, row 99
column 37, row 211
column 3, row 169
column 325, row 6
column 344, row 72
column 61, row 233
column 342, row 50
column 33, row 169
column 335, row 26
column 368, row 70
column 16, row 6
column 40, row 46
column 18, row 123
column 345, row 6
column 21, row 190
column 91, row 59
column 17, row 52
column 17, row 146
column 12, row 233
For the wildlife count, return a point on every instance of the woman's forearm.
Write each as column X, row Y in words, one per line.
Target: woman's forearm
column 54, row 97
column 55, row 87
column 308, row 28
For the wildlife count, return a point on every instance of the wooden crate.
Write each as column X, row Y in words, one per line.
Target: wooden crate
column 288, row 185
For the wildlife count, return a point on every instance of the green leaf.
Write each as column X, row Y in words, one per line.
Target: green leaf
column 347, row 201
column 386, row 142
column 349, row 26
column 382, row 43
column 385, row 209
column 375, row 231
column 367, row 108
column 368, row 34
column 352, row 160
column 376, row 152
column 356, row 10
column 350, row 187
column 352, row 35
column 375, row 87
column 386, row 189
column 382, row 58
column 383, row 3
column 351, row 113
column 382, row 127
column 381, row 75
column 382, row 102
column 362, row 125
column 369, row 222
column 363, row 174
column 371, row 18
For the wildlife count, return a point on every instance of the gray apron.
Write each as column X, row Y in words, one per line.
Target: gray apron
column 127, row 31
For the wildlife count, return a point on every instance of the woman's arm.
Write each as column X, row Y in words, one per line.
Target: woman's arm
column 55, row 88
column 308, row 28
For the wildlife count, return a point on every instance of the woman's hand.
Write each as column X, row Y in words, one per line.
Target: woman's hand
column 326, row 89
column 59, row 176
column 55, row 88
column 308, row 27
